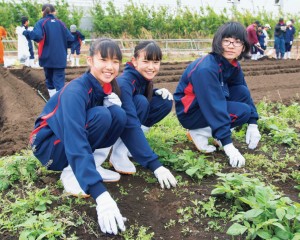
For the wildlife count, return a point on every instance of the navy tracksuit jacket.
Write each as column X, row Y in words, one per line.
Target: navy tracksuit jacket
column 140, row 112
column 52, row 36
column 72, row 125
column 213, row 92
column 76, row 44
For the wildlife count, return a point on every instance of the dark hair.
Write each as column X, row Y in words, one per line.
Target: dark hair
column 231, row 30
column 107, row 49
column 152, row 53
column 152, row 50
column 47, row 8
column 24, row 20
column 257, row 22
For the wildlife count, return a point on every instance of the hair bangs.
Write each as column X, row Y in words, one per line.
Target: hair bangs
column 234, row 31
column 110, row 49
column 152, row 52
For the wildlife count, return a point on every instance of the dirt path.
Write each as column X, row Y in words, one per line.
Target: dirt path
column 19, row 106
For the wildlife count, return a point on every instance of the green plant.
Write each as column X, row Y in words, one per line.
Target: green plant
column 170, row 224
column 266, row 213
column 18, row 168
column 137, row 232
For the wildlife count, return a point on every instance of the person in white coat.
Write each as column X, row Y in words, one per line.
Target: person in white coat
column 25, row 46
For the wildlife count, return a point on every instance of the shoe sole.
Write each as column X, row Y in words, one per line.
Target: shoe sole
column 108, row 181
column 122, row 172
column 78, row 195
column 191, row 139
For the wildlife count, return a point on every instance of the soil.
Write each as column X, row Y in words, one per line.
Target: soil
column 21, row 101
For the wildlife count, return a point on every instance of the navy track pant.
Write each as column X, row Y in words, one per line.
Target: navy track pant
column 55, row 78
column 153, row 112
column 104, row 127
column 238, row 107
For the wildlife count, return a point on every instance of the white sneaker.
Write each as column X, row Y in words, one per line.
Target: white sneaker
column 100, row 155
column 108, row 175
column 200, row 138
column 77, row 62
column 71, row 184
column 119, row 159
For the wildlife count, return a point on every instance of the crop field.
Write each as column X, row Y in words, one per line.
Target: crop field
column 212, row 200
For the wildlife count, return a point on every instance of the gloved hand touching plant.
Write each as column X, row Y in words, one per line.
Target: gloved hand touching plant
column 165, row 177
column 236, row 159
column 252, row 136
column 109, row 216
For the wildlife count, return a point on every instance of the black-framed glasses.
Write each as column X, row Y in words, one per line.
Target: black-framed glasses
column 236, row 43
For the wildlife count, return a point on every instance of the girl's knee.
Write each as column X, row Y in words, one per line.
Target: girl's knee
column 99, row 115
column 118, row 114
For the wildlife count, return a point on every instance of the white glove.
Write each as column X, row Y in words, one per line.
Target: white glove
column 109, row 216
column 291, row 42
column 283, row 28
column 83, row 42
column 164, row 93
column 257, row 44
column 252, row 136
column 165, row 177
column 235, row 158
column 112, row 99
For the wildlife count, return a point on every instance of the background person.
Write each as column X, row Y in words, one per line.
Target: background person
column 288, row 38
column 2, row 35
column 265, row 30
column 52, row 36
column 279, row 38
column 212, row 96
column 253, row 40
column 76, row 45
column 25, row 46
column 261, row 39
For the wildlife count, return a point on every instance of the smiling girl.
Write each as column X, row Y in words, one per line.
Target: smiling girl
column 144, row 106
column 212, row 96
column 74, row 123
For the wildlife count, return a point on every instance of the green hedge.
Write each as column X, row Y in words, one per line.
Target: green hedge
column 139, row 20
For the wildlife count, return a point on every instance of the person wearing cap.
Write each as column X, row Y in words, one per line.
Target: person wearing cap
column 289, row 37
column 25, row 46
column 253, row 40
column 279, row 38
column 265, row 31
column 76, row 45
column 2, row 35
column 52, row 36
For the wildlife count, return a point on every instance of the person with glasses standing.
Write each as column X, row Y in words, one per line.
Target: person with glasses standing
column 212, row 96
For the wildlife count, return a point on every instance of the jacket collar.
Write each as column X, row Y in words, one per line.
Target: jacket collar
column 96, row 86
column 129, row 68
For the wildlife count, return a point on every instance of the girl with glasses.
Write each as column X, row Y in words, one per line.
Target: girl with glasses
column 212, row 96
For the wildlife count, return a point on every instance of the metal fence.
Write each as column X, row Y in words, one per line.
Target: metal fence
column 167, row 45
